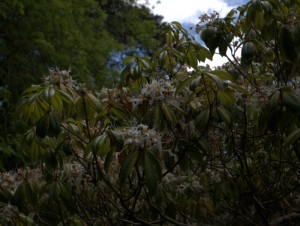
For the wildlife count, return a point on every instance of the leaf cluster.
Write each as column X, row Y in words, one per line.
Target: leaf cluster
column 171, row 146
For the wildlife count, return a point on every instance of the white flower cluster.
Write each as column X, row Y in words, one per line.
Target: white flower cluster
column 9, row 181
column 107, row 96
column 183, row 184
column 73, row 171
column 157, row 90
column 59, row 77
column 141, row 137
column 214, row 176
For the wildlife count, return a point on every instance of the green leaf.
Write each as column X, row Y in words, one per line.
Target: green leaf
column 145, row 63
column 192, row 59
column 238, row 88
column 80, row 108
column 179, row 55
column 205, row 146
column 223, row 48
column 202, row 119
column 128, row 59
column 94, row 102
column 216, row 79
column 48, row 93
column 162, row 58
column 109, row 157
column 54, row 125
column 227, row 97
column 118, row 111
column 54, row 190
column 224, row 75
column 259, row 20
column 57, row 102
column 152, row 171
column 225, row 115
column 65, row 190
column 169, row 38
column 250, row 16
column 268, row 32
column 286, row 44
column 169, row 114
column 291, row 101
column 42, row 126
column 32, row 89
column 34, row 151
column 51, row 159
column 65, row 97
column 25, row 194
column 20, row 194
column 101, row 145
column 292, row 138
column 203, row 54
column 184, row 84
column 128, row 166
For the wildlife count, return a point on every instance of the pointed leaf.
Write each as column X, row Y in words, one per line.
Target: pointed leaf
column 95, row 103
column 169, row 114
column 227, row 97
column 128, row 166
column 152, row 171
column 225, row 115
column 292, row 138
column 57, row 103
column 202, row 119
column 216, row 79
column 291, row 101
column 49, row 93
column 184, row 84
column 224, row 75
column 102, row 145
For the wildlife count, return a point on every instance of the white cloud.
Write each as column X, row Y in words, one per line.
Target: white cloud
column 187, row 10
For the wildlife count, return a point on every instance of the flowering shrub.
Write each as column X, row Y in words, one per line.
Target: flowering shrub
column 216, row 147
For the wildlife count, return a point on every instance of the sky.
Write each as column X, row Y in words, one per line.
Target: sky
column 188, row 11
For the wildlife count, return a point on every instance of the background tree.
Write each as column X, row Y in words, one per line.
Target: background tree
column 81, row 35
